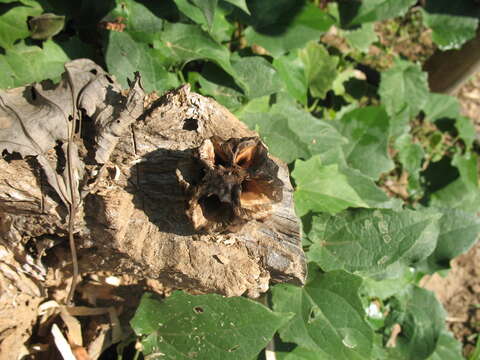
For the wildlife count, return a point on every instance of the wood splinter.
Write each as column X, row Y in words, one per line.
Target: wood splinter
column 237, row 183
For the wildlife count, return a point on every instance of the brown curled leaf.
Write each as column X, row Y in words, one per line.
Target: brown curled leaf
column 239, row 184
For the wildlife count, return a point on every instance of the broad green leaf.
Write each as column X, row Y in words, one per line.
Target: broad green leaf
column 292, row 71
column 183, row 43
column 361, row 38
column 208, row 9
column 366, row 128
column 410, row 156
column 362, row 184
column 458, row 232
column 215, row 82
column 467, row 166
column 291, row 132
column 141, row 23
column 13, row 21
column 355, row 13
column 320, row 68
column 191, row 11
column 452, row 23
column 279, row 134
column 448, row 348
column 338, row 85
column 210, row 327
column 387, row 287
column 368, row 241
column 124, row 56
column 466, row 130
column 403, row 90
column 24, row 64
column 279, row 30
column 322, row 188
column 220, row 29
column 256, row 76
column 457, row 195
column 422, row 320
column 300, row 353
column 329, row 317
column 439, row 106
column 240, row 4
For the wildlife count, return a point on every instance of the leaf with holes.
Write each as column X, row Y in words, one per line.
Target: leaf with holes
column 124, row 56
column 183, row 326
column 329, row 318
column 377, row 238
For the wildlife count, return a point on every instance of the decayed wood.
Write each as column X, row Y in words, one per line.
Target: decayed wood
column 141, row 213
column 134, row 218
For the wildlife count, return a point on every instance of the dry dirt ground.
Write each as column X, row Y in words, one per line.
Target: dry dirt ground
column 459, row 291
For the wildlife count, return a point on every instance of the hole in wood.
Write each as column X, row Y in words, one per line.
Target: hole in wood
column 190, row 124
column 215, row 210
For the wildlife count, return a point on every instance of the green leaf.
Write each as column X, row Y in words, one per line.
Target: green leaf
column 329, row 317
column 240, row 4
column 366, row 128
column 439, row 106
column 356, row 13
column 141, row 22
column 300, row 353
column 208, row 9
column 322, row 188
column 182, row 43
column 362, row 184
column 215, row 82
column 292, row 71
column 13, row 21
column 361, row 38
column 24, row 64
column 422, row 320
column 466, row 130
column 387, row 287
column 205, row 326
column 377, row 238
column 220, row 29
column 410, row 156
column 458, row 232
column 467, row 166
column 457, row 195
column 124, row 56
column 320, row 68
column 293, row 133
column 448, row 348
column 256, row 76
column 280, row 27
column 452, row 23
column 403, row 90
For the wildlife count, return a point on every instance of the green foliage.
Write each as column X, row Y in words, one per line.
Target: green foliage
column 452, row 24
column 205, row 327
column 329, row 318
column 346, row 140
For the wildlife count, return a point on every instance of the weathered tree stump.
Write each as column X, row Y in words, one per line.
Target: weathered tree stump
column 131, row 206
column 138, row 222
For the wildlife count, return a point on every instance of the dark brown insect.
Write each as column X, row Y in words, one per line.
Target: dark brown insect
column 239, row 183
